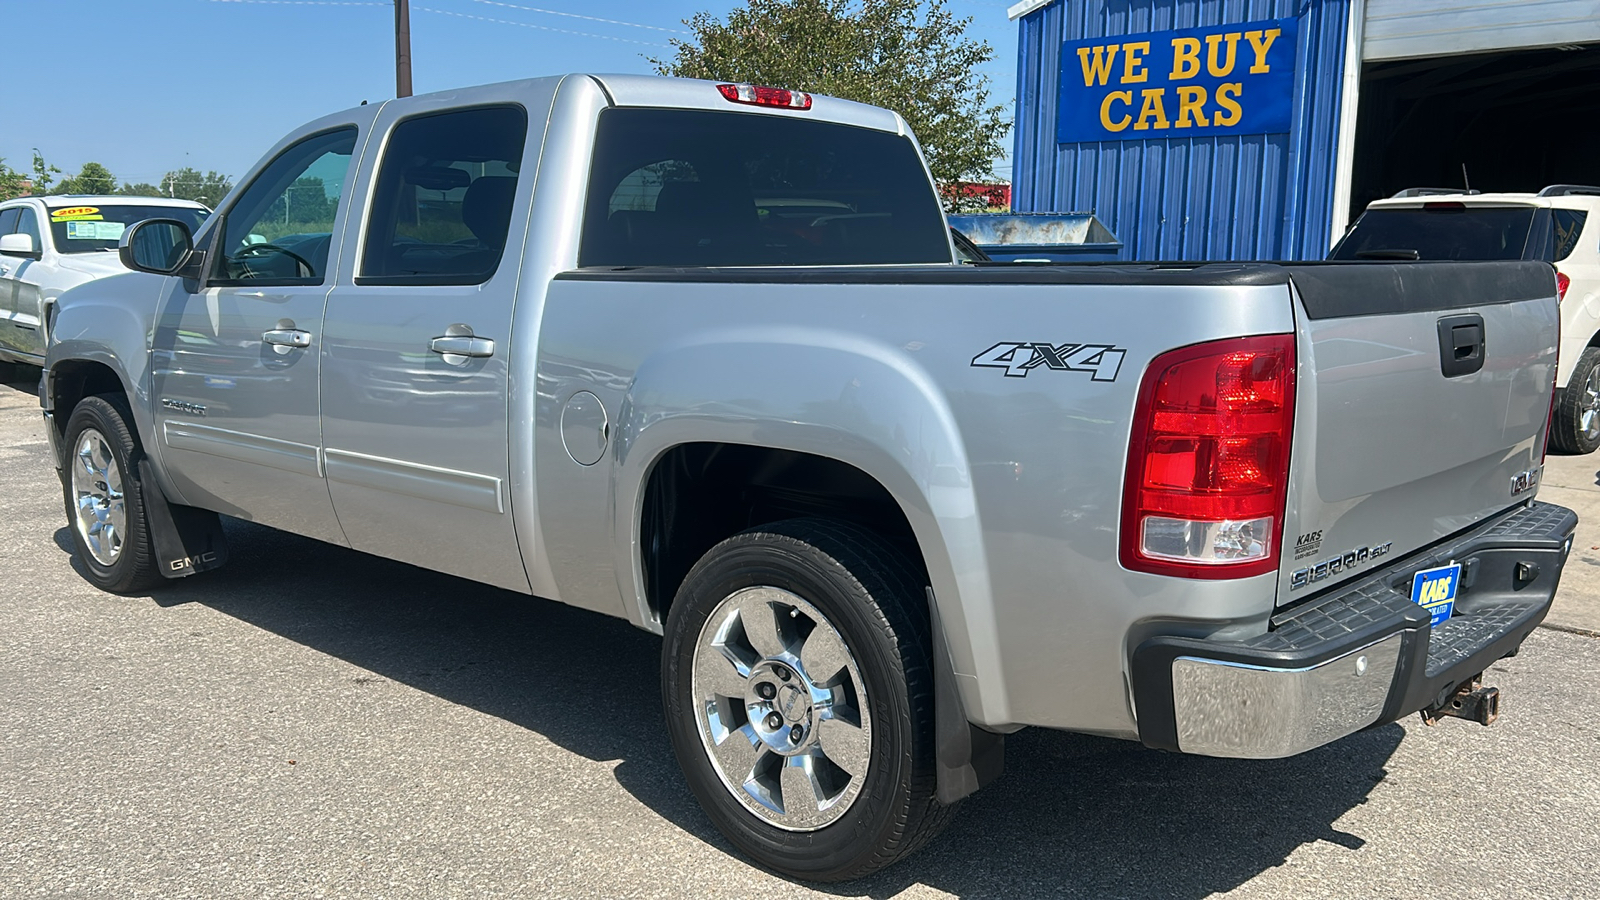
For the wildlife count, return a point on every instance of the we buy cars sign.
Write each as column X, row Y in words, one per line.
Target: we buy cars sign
column 1229, row 79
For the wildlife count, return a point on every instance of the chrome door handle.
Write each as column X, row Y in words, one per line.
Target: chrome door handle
column 287, row 337
column 464, row 346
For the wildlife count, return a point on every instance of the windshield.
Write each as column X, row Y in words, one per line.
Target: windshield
column 1444, row 231
column 688, row 188
column 89, row 227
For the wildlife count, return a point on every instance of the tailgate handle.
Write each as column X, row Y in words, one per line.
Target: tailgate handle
column 1461, row 345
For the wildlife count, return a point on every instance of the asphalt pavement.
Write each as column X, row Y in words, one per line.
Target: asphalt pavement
column 312, row 722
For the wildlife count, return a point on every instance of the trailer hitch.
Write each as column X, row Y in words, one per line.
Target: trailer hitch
column 1470, row 700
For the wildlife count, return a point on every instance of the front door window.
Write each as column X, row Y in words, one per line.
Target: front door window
column 280, row 231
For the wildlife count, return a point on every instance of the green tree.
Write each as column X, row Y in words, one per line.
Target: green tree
column 12, row 182
column 911, row 56
column 189, row 184
column 43, row 175
column 93, row 178
column 142, row 189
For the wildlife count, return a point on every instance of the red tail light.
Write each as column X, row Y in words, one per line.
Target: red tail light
column 757, row 95
column 1562, row 283
column 1208, row 462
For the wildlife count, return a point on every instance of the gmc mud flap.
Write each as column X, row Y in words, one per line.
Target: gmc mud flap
column 187, row 540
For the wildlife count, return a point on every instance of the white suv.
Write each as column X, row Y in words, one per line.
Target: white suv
column 49, row 244
column 1559, row 225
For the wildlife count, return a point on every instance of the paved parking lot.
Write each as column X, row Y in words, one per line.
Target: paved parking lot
column 310, row 721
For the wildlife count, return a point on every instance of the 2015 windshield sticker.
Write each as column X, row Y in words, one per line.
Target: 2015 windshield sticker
column 1018, row 358
column 75, row 213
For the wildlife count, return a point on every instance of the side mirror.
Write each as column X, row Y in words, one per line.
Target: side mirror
column 157, row 246
column 19, row 245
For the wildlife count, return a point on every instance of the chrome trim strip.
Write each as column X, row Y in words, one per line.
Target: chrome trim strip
column 1256, row 712
column 468, row 489
column 301, row 459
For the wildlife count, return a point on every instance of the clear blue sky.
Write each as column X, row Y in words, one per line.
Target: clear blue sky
column 148, row 86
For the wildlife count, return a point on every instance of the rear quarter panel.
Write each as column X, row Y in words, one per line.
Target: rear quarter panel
column 1012, row 484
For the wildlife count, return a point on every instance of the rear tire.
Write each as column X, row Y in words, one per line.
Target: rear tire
column 775, row 636
column 104, row 498
column 1575, row 429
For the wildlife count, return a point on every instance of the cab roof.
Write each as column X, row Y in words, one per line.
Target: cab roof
column 52, row 201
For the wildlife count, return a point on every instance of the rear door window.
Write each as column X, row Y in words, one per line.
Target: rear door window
column 1565, row 225
column 1439, row 231
column 691, row 188
column 441, row 210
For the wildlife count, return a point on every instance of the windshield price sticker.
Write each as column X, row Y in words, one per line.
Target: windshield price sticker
column 1195, row 82
column 1435, row 591
column 81, row 230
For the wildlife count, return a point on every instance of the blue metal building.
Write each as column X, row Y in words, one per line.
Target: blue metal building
column 1252, row 129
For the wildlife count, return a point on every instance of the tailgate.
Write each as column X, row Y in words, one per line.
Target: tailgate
column 1424, row 390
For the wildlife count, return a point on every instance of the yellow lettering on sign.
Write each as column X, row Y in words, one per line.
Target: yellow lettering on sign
column 1153, row 109
column 1185, row 58
column 1230, row 112
column 1105, row 111
column 1191, row 101
column 1098, row 71
column 1133, row 70
column 1261, row 42
column 1213, row 41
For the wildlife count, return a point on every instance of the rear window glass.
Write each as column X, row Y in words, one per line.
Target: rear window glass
column 685, row 188
column 1566, row 225
column 1442, row 232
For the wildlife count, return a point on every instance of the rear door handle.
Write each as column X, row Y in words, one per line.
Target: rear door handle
column 288, row 337
column 461, row 346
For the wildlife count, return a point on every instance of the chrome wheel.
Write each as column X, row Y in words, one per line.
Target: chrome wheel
column 1589, row 406
column 101, row 518
column 781, row 708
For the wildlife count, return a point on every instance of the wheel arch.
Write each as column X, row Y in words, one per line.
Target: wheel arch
column 866, row 417
column 100, row 343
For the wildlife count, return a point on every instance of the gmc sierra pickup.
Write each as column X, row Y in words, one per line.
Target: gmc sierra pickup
column 700, row 356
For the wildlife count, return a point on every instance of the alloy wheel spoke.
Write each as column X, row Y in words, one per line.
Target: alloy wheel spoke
column 800, row 792
column 760, row 621
column 846, row 744
column 723, row 674
column 738, row 752
column 823, row 656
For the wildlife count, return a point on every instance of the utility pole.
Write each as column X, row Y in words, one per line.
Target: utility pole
column 402, row 48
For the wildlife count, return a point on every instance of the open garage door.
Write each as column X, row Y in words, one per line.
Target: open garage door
column 1518, row 121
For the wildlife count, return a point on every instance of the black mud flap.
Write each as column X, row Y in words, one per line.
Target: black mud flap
column 187, row 540
column 967, row 757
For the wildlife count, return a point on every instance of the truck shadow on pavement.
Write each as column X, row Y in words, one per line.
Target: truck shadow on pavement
column 1072, row 816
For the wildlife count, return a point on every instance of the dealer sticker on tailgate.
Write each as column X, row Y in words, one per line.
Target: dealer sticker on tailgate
column 1435, row 590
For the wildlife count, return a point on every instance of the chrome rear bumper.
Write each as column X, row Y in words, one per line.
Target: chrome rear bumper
column 1357, row 655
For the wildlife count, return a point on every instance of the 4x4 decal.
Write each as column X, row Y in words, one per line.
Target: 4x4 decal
column 1019, row 358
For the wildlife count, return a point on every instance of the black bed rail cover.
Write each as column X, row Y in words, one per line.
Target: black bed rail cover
column 1334, row 290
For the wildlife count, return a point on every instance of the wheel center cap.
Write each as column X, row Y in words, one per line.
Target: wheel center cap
column 791, row 702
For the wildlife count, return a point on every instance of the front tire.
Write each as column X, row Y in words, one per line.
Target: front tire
column 1575, row 430
column 103, row 497
column 798, row 685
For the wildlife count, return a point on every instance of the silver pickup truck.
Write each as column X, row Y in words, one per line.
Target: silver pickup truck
column 700, row 356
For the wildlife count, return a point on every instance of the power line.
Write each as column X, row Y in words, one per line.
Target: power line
column 306, row 2
column 553, row 12
column 604, row 37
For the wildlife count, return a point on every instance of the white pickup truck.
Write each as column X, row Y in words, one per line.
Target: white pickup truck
column 700, row 356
